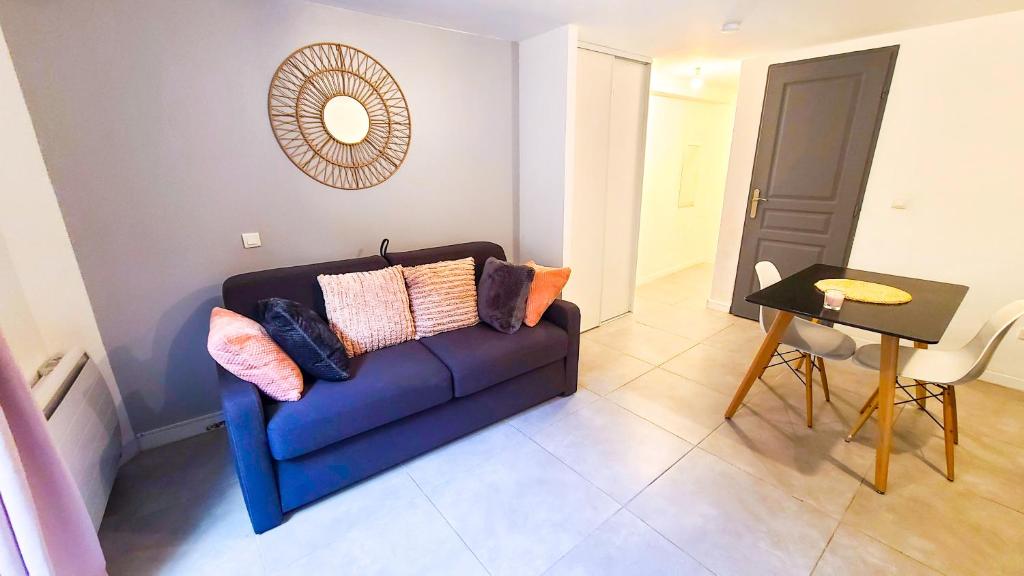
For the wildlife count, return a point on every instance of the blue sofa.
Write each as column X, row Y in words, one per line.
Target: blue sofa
column 400, row 402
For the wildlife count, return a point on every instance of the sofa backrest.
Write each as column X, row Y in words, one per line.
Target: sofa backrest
column 243, row 292
column 479, row 251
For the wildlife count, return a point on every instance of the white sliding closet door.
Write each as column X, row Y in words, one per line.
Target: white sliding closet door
column 585, row 235
column 627, row 125
column 603, row 211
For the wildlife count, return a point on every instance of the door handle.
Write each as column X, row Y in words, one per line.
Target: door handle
column 754, row 201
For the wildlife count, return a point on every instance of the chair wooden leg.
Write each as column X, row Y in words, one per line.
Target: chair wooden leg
column 865, row 414
column 765, row 369
column 870, row 402
column 800, row 363
column 956, row 423
column 948, row 425
column 824, row 378
column 809, row 390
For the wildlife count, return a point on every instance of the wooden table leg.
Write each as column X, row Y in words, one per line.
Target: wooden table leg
column 886, row 407
column 920, row 391
column 761, row 359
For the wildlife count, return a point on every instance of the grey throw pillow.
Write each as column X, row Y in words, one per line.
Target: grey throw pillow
column 501, row 295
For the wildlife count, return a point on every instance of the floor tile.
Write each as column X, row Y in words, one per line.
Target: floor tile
column 689, row 322
column 853, row 552
column 210, row 535
column 720, row 369
column 685, row 408
column 413, row 539
column 816, row 466
column 616, row 450
column 522, row 511
column 463, row 455
column 643, row 342
column 602, row 369
column 625, row 545
column 942, row 524
column 742, row 336
column 990, row 410
column 319, row 523
column 172, row 474
column 732, row 522
column 539, row 417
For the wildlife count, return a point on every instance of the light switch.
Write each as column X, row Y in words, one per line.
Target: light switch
column 1022, row 334
column 251, row 240
column 899, row 203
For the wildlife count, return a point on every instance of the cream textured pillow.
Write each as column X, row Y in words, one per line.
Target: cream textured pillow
column 368, row 310
column 442, row 296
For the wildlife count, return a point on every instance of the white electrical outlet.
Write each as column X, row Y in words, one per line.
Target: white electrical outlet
column 251, row 240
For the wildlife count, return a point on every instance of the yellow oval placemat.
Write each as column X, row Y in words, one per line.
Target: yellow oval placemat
column 862, row 291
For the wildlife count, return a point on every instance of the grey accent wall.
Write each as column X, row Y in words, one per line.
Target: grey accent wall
column 152, row 119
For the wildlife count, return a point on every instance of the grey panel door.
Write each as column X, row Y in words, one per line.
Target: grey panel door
column 819, row 125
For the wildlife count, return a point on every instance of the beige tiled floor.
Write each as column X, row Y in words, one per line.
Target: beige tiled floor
column 637, row 473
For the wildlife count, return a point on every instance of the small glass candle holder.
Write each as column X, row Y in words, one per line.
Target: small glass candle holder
column 834, row 299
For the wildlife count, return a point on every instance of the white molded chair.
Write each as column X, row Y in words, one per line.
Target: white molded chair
column 942, row 369
column 813, row 342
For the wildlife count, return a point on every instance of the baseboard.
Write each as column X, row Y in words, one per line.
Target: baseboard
column 1003, row 379
column 718, row 305
column 129, row 450
column 179, row 431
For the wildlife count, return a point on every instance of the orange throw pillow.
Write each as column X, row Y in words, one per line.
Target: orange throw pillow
column 547, row 285
column 245, row 349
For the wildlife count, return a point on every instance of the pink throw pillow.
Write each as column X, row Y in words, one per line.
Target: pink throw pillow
column 442, row 296
column 245, row 349
column 368, row 310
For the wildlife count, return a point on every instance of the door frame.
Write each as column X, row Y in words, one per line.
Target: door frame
column 893, row 52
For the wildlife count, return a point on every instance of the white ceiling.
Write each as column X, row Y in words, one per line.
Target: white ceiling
column 684, row 34
column 685, row 28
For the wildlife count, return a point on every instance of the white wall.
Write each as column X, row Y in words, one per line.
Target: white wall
column 951, row 146
column 674, row 237
column 547, row 112
column 44, row 308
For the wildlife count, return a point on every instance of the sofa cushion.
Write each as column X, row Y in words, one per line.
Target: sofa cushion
column 480, row 356
column 385, row 385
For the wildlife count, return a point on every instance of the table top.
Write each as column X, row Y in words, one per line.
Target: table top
column 923, row 319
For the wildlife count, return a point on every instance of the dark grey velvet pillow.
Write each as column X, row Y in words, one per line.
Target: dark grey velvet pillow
column 501, row 295
column 305, row 337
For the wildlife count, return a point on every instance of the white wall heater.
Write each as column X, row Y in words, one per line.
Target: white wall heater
column 80, row 415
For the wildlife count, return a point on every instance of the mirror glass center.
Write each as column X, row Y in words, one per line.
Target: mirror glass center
column 346, row 119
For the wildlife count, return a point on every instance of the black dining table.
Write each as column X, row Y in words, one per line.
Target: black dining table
column 923, row 321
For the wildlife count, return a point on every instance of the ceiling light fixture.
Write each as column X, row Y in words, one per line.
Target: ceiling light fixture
column 696, row 83
column 730, row 26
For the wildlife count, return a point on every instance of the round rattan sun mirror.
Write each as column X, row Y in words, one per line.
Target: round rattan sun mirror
column 339, row 116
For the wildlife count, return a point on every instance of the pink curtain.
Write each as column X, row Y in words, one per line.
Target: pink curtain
column 44, row 526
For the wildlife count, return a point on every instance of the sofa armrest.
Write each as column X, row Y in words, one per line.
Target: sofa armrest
column 566, row 315
column 247, row 430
